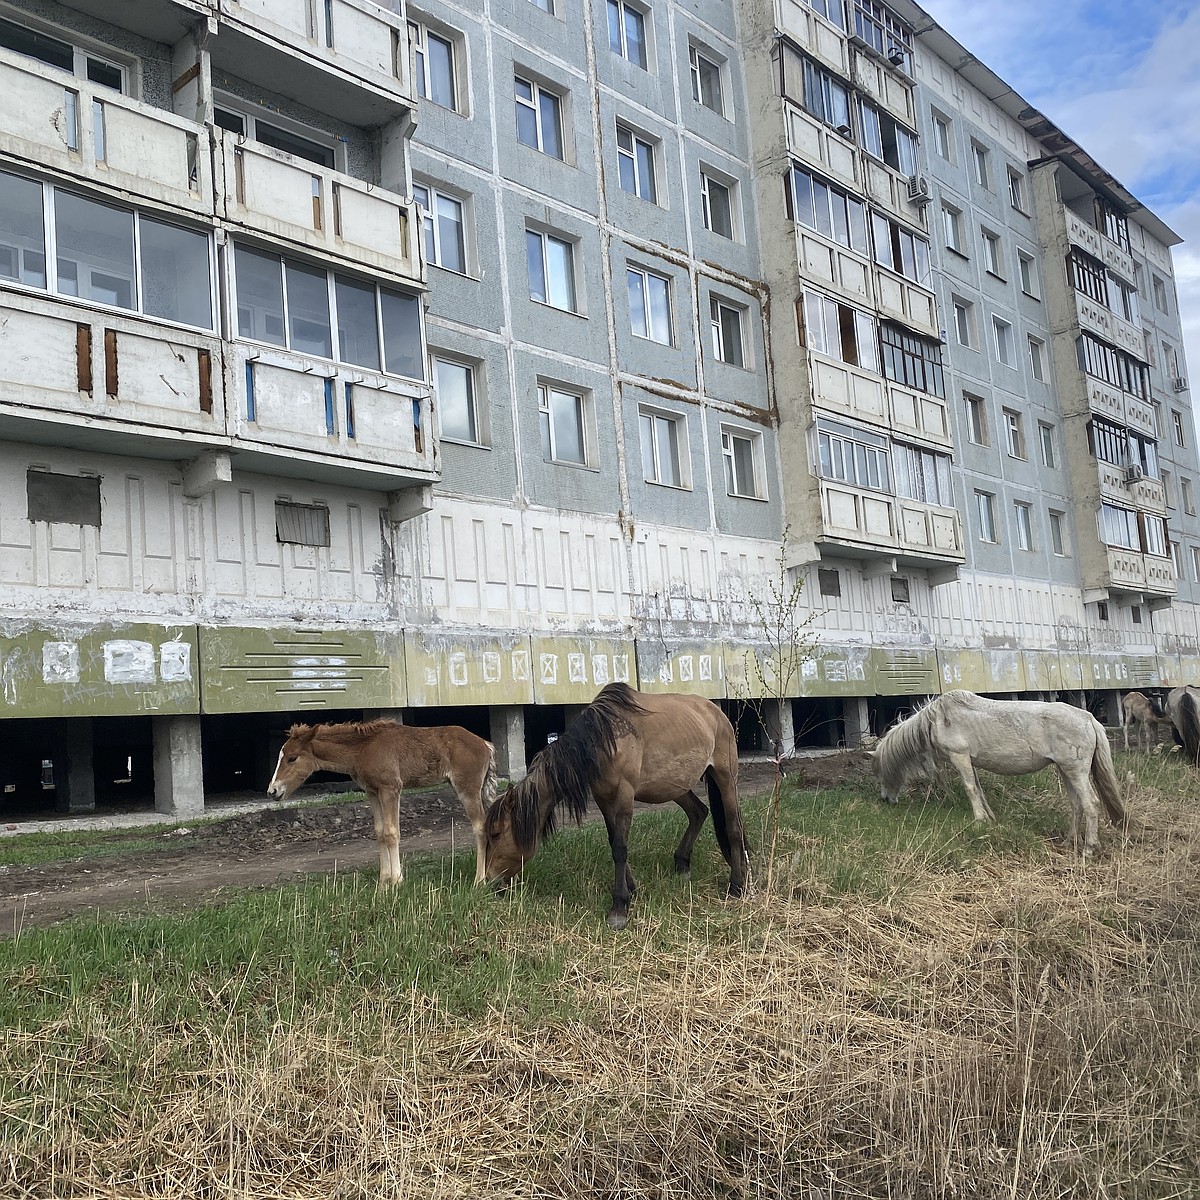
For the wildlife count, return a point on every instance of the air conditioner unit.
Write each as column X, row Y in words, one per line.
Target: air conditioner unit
column 1134, row 472
column 1180, row 384
column 918, row 189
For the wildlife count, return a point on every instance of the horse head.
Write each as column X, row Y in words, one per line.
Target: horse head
column 504, row 855
column 296, row 762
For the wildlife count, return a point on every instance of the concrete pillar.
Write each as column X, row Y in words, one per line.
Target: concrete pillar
column 1111, row 709
column 178, row 766
column 74, row 770
column 856, row 718
column 780, row 727
column 508, row 736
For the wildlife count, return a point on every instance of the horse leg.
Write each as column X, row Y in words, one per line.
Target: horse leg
column 696, row 811
column 1084, row 812
column 385, row 811
column 1125, row 731
column 961, row 762
column 618, row 813
column 727, row 821
column 472, row 801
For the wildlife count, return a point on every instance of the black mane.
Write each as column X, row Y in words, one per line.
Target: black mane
column 568, row 769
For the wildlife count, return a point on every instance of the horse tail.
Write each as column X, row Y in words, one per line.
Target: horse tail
column 1104, row 779
column 716, row 804
column 487, row 792
column 1189, row 726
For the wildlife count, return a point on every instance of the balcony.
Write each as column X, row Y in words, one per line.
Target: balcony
column 876, row 523
column 327, row 212
column 814, row 142
column 907, row 302
column 918, row 416
column 1099, row 320
column 353, row 53
column 1130, row 571
column 839, row 269
column 1145, row 493
column 93, row 134
column 1099, row 245
column 821, row 39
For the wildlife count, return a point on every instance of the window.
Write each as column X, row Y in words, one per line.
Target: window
column 900, row 250
column 952, row 222
column 649, row 305
column 564, row 417
column 299, row 306
column 246, row 122
column 63, row 499
column 1112, row 223
column 1176, row 552
column 985, row 511
column 840, row 331
column 922, row 475
column 454, row 383
column 1004, row 342
column 727, row 340
column 55, row 53
column 1196, row 563
column 1187, row 496
column 1016, row 189
column 911, row 359
column 546, row 6
column 743, row 463
column 1154, row 540
column 706, row 81
column 1108, row 442
column 1168, row 489
column 825, row 96
column 964, row 322
column 1123, row 300
column 980, row 166
column 884, row 138
column 1027, row 267
column 662, row 437
column 444, row 228
column 1113, row 366
column 900, row 589
column 717, row 200
column 831, row 212
column 627, row 32
column 1102, row 610
column 1014, row 433
column 1119, row 527
column 1049, row 444
column 991, row 252
column 851, row 455
column 301, row 524
column 1177, row 427
column 635, row 164
column 829, row 582
column 1037, row 364
column 977, row 423
column 1022, row 525
column 831, row 10
column 91, row 253
column 435, row 67
column 1143, row 452
column 551, row 263
column 1170, row 361
column 1087, row 276
column 943, row 136
column 1058, row 535
column 1160, row 294
column 539, row 117
column 884, row 32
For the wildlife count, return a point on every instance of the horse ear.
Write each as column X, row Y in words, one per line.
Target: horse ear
column 302, row 733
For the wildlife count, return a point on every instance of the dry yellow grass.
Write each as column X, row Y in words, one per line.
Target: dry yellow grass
column 1025, row 1029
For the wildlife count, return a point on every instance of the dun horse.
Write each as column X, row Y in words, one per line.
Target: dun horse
column 383, row 758
column 1145, row 713
column 1183, row 707
column 1009, row 737
column 626, row 746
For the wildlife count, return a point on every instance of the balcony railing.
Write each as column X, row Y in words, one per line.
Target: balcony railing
column 1102, row 321
column 1099, row 245
column 1129, row 570
column 879, row 522
column 326, row 211
column 95, row 134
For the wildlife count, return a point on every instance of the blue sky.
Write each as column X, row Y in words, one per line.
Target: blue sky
column 1123, row 80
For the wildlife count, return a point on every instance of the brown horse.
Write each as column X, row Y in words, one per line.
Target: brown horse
column 383, row 758
column 626, row 746
column 1144, row 713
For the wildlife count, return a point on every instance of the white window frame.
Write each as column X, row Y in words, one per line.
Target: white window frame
column 1196, row 563
column 730, row 434
column 993, row 259
column 696, row 56
column 82, row 49
column 1048, row 439
column 534, row 104
column 1002, row 333
column 475, row 395
column 547, row 236
column 964, row 322
column 1028, row 273
column 1023, row 525
column 733, row 355
column 985, row 514
column 1016, row 190
column 651, row 457
column 420, row 33
column 952, row 224
column 708, row 179
column 1014, row 433
column 1060, row 543
column 647, row 280
column 1177, row 427
column 586, row 416
column 431, row 225
column 623, row 8
column 1037, row 357
column 981, row 165
column 632, row 157
column 943, row 135
column 251, row 114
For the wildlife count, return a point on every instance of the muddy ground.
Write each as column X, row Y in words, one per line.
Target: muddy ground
column 193, row 864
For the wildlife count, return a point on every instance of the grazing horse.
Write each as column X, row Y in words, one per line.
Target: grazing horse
column 1143, row 711
column 626, row 746
column 383, row 758
column 1183, row 707
column 1009, row 737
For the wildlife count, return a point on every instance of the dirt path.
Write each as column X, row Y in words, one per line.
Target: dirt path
column 263, row 848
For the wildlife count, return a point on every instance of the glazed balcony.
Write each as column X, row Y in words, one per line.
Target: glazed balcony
column 906, row 302
column 1131, row 571
column 93, row 134
column 1099, row 245
column 1104, row 323
column 1123, row 407
column 1146, row 494
column 327, row 212
column 877, row 523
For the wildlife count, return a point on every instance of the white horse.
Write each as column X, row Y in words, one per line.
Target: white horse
column 1009, row 737
column 1183, row 707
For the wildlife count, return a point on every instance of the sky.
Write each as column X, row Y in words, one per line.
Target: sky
column 1122, row 80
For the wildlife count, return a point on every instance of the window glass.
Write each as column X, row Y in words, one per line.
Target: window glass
column 22, row 233
column 562, row 427
column 95, row 251
column 293, row 143
column 308, row 309
column 401, row 333
column 259, row 295
column 358, row 337
column 456, row 399
column 37, row 45
column 175, row 273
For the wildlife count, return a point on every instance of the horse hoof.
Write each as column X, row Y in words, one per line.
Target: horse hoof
column 618, row 920
column 683, row 866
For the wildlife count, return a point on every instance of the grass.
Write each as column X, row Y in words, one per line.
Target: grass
column 918, row 1008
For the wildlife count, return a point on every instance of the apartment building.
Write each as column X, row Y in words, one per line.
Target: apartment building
column 454, row 359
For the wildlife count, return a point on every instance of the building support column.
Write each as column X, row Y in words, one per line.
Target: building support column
column 857, row 720
column 508, row 736
column 1112, row 709
column 178, row 766
column 74, row 768
column 780, row 727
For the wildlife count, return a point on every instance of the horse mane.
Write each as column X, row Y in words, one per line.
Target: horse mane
column 345, row 733
column 565, row 772
column 908, row 744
